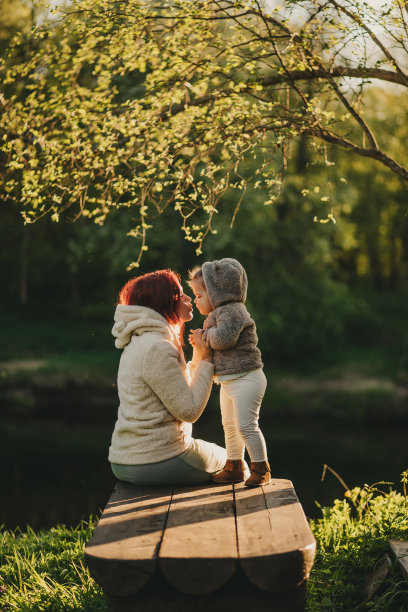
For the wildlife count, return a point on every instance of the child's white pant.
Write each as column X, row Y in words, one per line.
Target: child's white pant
column 240, row 401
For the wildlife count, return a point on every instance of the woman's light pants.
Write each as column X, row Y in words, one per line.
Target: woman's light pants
column 240, row 401
column 196, row 465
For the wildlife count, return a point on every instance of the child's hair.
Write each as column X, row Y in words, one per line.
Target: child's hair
column 196, row 274
column 158, row 290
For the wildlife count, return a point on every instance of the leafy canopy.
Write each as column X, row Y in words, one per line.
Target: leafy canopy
column 149, row 105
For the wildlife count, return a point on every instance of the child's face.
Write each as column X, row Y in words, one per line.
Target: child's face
column 201, row 297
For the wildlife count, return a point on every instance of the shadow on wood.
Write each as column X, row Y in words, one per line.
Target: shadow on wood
column 237, row 595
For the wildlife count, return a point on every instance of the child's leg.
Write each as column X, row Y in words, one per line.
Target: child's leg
column 247, row 393
column 233, row 440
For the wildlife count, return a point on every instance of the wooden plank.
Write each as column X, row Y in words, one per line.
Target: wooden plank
column 276, row 546
column 399, row 549
column 199, row 548
column 122, row 554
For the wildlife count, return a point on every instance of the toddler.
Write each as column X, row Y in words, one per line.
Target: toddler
column 220, row 289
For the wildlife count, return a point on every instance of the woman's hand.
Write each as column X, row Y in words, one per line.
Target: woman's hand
column 202, row 350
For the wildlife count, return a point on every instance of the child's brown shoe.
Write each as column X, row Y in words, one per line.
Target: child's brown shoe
column 233, row 471
column 260, row 474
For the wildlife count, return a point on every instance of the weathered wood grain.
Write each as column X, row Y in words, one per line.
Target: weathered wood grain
column 122, row 554
column 399, row 549
column 199, row 548
column 276, row 546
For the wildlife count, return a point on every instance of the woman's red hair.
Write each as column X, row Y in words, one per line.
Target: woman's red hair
column 158, row 290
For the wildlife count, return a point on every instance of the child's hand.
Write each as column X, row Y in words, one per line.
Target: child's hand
column 202, row 349
column 193, row 335
column 208, row 324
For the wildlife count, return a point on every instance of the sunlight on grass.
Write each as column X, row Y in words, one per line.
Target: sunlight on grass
column 45, row 571
column 352, row 536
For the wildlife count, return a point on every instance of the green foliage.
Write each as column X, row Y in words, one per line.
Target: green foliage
column 352, row 536
column 14, row 17
column 298, row 308
column 146, row 107
column 45, row 571
column 309, row 283
column 301, row 292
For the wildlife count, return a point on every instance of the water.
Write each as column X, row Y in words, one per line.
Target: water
column 53, row 473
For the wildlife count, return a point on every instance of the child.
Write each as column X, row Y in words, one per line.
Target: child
column 220, row 289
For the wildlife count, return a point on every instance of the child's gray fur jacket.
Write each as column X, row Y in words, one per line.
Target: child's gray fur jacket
column 230, row 330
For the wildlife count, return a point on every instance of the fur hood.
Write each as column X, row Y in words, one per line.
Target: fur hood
column 138, row 320
column 225, row 281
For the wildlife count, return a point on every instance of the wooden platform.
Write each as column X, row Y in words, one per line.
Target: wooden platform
column 217, row 547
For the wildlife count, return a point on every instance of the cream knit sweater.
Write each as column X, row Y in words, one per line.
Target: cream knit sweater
column 158, row 402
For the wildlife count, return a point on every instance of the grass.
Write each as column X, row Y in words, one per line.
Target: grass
column 352, row 537
column 45, row 572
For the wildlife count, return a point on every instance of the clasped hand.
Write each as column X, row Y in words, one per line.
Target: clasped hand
column 202, row 349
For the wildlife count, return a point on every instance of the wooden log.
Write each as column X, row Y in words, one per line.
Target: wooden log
column 275, row 544
column 122, row 554
column 192, row 562
column 399, row 549
column 198, row 553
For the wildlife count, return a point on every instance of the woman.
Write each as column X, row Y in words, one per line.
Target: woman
column 160, row 396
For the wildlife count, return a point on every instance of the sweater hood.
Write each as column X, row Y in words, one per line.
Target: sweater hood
column 137, row 320
column 225, row 281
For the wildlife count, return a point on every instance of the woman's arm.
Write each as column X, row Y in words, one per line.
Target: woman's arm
column 163, row 373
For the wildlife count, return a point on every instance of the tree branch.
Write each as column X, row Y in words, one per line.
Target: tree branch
column 373, row 153
column 358, row 20
column 296, row 75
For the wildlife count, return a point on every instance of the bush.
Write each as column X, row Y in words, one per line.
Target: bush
column 352, row 536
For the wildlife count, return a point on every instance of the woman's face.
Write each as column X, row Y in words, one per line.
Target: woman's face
column 185, row 311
